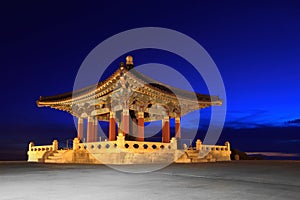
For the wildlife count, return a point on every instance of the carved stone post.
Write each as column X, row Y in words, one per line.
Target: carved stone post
column 227, row 144
column 198, row 144
column 120, row 140
column 31, row 144
column 76, row 144
column 55, row 145
column 173, row 143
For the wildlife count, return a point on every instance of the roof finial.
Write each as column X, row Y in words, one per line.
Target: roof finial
column 122, row 65
column 129, row 60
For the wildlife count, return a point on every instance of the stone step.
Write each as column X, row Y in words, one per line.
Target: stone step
column 53, row 161
column 54, row 157
column 59, row 152
column 194, row 155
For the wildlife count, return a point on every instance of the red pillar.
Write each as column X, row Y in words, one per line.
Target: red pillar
column 166, row 130
column 125, row 122
column 90, row 127
column 95, row 138
column 112, row 127
column 140, row 135
column 177, row 127
column 80, row 128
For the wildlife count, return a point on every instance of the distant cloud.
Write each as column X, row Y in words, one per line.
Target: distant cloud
column 247, row 119
column 294, row 121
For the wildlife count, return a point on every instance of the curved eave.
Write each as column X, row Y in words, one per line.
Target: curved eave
column 78, row 94
column 89, row 92
column 170, row 90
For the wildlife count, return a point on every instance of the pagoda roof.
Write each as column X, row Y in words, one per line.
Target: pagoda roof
column 142, row 88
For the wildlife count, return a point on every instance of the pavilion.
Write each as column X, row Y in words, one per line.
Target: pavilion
column 127, row 99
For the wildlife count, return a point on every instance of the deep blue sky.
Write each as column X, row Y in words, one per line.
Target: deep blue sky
column 255, row 45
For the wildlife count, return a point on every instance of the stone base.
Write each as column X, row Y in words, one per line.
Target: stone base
column 127, row 152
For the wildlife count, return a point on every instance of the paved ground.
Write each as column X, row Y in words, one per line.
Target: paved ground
column 231, row 180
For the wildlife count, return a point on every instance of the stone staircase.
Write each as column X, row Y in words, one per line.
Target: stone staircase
column 197, row 156
column 56, row 157
column 193, row 156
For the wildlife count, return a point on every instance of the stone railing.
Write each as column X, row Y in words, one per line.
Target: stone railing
column 53, row 147
column 214, row 148
column 127, row 152
column 204, row 147
column 214, row 152
column 38, row 153
column 121, row 145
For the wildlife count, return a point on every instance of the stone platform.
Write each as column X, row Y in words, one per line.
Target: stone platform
column 128, row 152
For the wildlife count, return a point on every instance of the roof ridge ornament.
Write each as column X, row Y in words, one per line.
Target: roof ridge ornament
column 129, row 62
column 122, row 66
